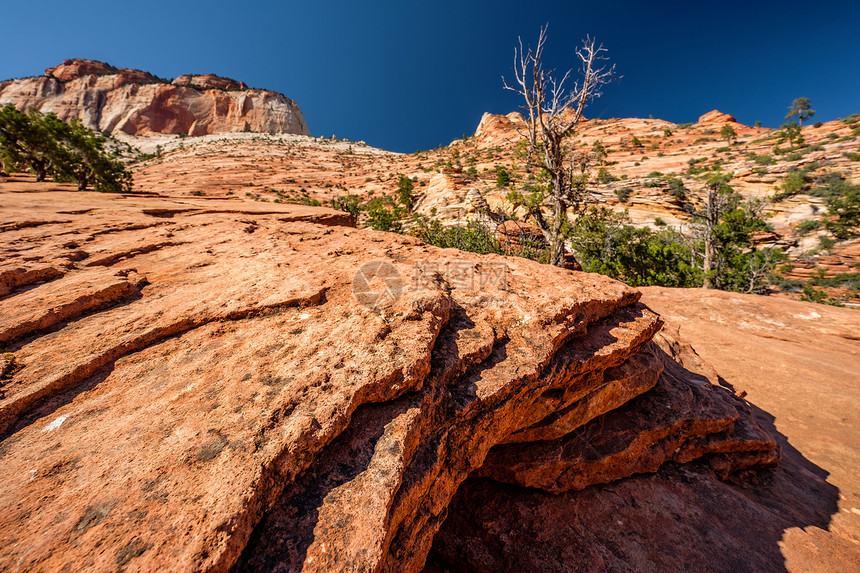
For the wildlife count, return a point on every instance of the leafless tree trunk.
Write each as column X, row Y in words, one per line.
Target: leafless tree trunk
column 715, row 205
column 553, row 112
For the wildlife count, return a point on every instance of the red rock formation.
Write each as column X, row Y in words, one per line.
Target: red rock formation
column 716, row 116
column 73, row 69
column 797, row 364
column 217, row 382
column 495, row 130
column 209, row 81
column 112, row 99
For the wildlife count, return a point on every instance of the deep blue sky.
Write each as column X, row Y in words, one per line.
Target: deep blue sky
column 407, row 75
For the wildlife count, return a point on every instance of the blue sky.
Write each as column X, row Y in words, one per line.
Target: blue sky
column 413, row 75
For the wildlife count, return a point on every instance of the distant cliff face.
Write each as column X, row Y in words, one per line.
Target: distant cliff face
column 113, row 100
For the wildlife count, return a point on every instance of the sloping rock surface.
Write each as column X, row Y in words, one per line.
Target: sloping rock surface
column 133, row 102
column 195, row 384
column 798, row 361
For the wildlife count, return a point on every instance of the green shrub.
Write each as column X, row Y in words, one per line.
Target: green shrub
column 623, row 194
column 503, row 178
column 51, row 147
column 811, row 294
column 382, row 215
column 475, row 237
column 843, row 203
column 404, row 191
column 605, row 242
column 677, row 189
column 760, row 159
column 808, row 226
column 350, row 204
column 795, row 182
column 850, row 281
column 604, row 176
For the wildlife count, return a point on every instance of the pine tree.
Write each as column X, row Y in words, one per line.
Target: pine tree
column 801, row 109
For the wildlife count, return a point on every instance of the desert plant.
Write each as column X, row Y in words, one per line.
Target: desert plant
column 474, row 237
column 728, row 133
column 604, row 176
column 801, row 110
column 503, row 178
column 808, row 226
column 677, row 189
column 383, row 215
column 598, row 152
column 65, row 151
column 553, row 114
column 405, row 186
column 795, row 182
column 350, row 204
column 623, row 194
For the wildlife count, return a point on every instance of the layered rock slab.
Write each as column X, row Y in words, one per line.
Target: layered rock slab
column 428, row 444
column 244, row 365
column 682, row 418
column 796, row 361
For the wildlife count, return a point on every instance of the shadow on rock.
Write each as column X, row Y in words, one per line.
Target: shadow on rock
column 281, row 539
column 680, row 518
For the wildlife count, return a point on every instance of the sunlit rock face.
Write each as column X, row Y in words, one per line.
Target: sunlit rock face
column 134, row 102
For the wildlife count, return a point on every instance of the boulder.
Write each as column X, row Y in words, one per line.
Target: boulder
column 716, row 117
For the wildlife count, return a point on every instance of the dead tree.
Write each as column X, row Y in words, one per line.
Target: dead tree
column 554, row 110
column 717, row 201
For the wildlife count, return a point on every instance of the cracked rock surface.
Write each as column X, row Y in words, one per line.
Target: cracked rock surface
column 196, row 384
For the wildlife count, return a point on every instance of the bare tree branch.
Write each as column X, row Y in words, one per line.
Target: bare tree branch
column 553, row 113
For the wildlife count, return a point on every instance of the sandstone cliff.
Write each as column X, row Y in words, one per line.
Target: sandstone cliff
column 133, row 102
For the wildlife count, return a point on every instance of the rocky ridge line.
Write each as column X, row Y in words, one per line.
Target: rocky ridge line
column 133, row 102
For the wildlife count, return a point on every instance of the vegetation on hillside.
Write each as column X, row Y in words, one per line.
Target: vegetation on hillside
column 62, row 151
column 553, row 113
